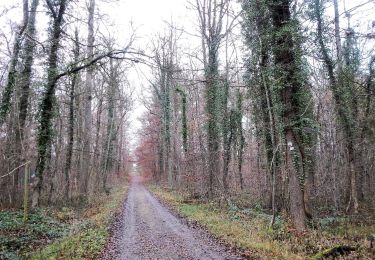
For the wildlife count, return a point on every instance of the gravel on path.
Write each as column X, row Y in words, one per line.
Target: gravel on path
column 148, row 230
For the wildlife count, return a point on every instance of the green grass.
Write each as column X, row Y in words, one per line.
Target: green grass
column 60, row 233
column 84, row 245
column 91, row 237
column 247, row 229
column 17, row 238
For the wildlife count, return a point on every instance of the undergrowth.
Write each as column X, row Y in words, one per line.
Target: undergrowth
column 17, row 238
column 247, row 228
column 60, row 233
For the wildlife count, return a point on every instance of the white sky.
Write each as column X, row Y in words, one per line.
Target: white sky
column 149, row 18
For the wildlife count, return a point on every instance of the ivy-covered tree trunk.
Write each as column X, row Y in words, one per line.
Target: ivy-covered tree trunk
column 28, row 59
column 233, row 137
column 24, row 89
column 184, row 126
column 211, row 15
column 167, row 124
column 240, row 139
column 11, row 79
column 213, row 138
column 258, row 32
column 163, row 89
column 296, row 101
column 45, row 132
column 227, row 133
column 161, row 158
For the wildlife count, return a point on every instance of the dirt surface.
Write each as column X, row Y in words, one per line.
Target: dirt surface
column 147, row 230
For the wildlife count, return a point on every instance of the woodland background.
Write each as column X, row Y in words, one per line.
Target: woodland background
column 275, row 103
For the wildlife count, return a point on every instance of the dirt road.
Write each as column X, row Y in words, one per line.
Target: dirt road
column 147, row 230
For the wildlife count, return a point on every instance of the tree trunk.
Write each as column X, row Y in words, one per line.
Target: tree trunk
column 108, row 157
column 292, row 85
column 212, row 118
column 167, row 126
column 28, row 59
column 46, row 114
column 227, row 132
column 211, row 18
column 184, row 119
column 26, row 72
column 11, row 80
column 228, row 137
column 86, row 160
column 297, row 207
column 240, row 137
column 69, row 150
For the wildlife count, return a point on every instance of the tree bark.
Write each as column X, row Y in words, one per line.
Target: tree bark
column 46, row 114
column 229, row 127
column 108, row 158
column 69, row 150
column 184, row 119
column 240, row 137
column 296, row 199
column 24, row 86
column 11, row 80
column 86, row 159
column 292, row 84
column 26, row 72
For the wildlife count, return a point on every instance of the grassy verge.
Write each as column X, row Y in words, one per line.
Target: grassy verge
column 17, row 238
column 65, row 233
column 247, row 229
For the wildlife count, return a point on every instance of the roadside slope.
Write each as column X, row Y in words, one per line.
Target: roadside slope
column 247, row 230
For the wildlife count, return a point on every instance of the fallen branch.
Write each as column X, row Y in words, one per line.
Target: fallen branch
column 9, row 173
column 333, row 252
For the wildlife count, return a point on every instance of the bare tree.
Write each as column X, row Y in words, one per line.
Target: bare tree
column 12, row 73
column 86, row 159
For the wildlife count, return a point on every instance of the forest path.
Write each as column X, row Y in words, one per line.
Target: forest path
column 147, row 230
